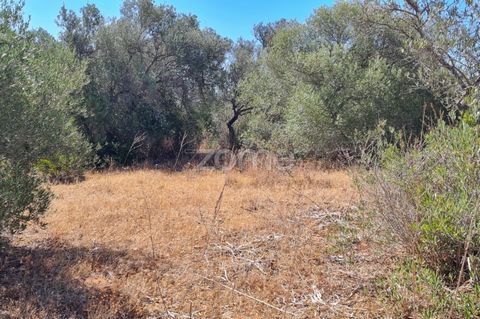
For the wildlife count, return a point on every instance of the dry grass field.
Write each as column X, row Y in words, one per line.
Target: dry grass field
column 197, row 244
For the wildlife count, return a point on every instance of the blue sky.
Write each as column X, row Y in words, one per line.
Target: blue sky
column 230, row 18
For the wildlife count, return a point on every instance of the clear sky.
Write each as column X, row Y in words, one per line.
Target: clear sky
column 230, row 18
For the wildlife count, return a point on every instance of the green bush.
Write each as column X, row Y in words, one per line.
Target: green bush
column 428, row 197
column 322, row 85
column 416, row 291
column 154, row 73
column 22, row 196
column 40, row 82
column 62, row 169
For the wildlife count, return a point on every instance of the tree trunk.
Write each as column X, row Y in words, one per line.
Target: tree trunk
column 232, row 135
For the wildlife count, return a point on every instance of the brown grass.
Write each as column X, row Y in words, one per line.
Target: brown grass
column 154, row 244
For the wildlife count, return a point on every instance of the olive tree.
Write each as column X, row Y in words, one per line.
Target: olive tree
column 40, row 81
column 154, row 75
column 329, row 81
column 442, row 37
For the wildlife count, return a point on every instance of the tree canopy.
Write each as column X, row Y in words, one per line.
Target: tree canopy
column 141, row 86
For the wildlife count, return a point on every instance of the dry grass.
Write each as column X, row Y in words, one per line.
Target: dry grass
column 153, row 244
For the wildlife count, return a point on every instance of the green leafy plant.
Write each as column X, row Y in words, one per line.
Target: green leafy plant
column 322, row 85
column 428, row 197
column 415, row 290
column 23, row 197
column 39, row 103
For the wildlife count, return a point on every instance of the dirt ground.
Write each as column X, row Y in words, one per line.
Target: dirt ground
column 197, row 244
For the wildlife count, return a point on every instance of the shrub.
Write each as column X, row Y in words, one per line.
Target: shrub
column 40, row 81
column 416, row 291
column 63, row 169
column 22, row 196
column 322, row 85
column 428, row 197
column 163, row 91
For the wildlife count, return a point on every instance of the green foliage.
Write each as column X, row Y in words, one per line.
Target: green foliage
column 442, row 38
column 62, row 168
column 240, row 62
column 39, row 81
column 321, row 86
column 427, row 195
column 414, row 290
column 153, row 73
column 23, row 198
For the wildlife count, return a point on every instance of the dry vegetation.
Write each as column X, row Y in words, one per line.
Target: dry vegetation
column 208, row 244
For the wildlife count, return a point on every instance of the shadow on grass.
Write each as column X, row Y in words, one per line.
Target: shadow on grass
column 45, row 282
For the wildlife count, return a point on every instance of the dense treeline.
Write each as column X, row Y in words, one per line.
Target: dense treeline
column 151, row 82
column 319, row 88
column 153, row 76
column 334, row 79
column 313, row 89
column 391, row 84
